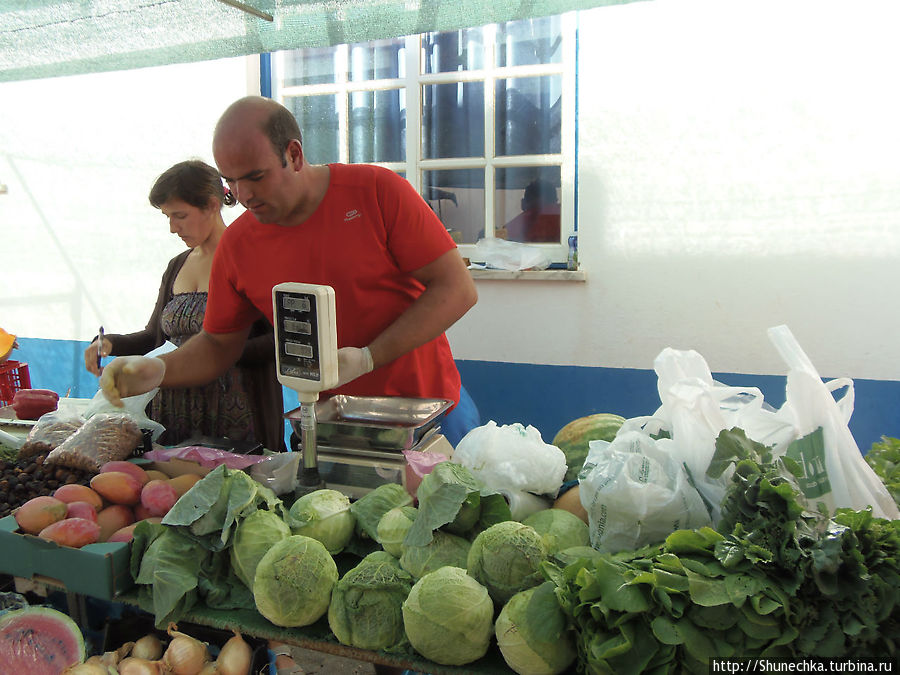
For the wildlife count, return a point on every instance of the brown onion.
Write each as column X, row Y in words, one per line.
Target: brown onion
column 135, row 666
column 184, row 655
column 86, row 669
column 148, row 647
column 234, row 659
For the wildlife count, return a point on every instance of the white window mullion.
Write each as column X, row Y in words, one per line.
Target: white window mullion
column 414, row 55
column 490, row 34
column 342, row 68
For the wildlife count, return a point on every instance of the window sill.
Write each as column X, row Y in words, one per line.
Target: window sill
column 528, row 275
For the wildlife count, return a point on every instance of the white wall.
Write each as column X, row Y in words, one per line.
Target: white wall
column 81, row 244
column 739, row 167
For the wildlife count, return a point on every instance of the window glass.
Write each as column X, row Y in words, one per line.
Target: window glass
column 453, row 120
column 453, row 51
column 529, row 42
column 457, row 197
column 377, row 60
column 526, row 204
column 378, row 126
column 317, row 117
column 314, row 65
column 528, row 115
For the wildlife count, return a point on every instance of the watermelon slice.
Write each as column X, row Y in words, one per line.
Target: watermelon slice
column 39, row 641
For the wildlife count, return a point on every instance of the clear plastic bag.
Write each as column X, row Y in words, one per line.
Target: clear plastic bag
column 636, row 493
column 134, row 406
column 105, row 437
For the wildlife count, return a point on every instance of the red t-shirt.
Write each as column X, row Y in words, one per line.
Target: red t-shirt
column 370, row 231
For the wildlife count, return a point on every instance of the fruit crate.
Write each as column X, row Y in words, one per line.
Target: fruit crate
column 13, row 376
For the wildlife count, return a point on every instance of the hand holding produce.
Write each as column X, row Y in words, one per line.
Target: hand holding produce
column 131, row 375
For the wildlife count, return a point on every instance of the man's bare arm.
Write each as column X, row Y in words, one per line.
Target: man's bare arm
column 203, row 358
column 449, row 294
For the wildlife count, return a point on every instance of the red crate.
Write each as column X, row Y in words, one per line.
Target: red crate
column 13, row 376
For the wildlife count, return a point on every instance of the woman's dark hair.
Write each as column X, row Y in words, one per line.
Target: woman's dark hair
column 194, row 182
column 281, row 128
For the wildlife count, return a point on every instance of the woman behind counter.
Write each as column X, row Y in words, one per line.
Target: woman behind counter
column 246, row 402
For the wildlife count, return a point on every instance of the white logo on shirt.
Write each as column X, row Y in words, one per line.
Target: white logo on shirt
column 350, row 215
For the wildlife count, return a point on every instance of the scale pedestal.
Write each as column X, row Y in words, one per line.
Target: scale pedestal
column 357, row 471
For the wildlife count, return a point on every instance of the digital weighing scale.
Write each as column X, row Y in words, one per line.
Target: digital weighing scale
column 363, row 437
column 306, row 359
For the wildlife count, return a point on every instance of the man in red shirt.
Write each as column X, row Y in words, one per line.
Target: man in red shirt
column 399, row 280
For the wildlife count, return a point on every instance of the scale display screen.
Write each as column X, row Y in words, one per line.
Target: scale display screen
column 296, row 321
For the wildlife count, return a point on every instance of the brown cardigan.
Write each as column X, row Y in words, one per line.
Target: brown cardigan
column 257, row 361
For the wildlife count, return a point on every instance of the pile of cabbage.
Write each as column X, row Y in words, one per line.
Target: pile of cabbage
column 443, row 580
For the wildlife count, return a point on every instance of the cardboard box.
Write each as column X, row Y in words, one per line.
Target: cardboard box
column 100, row 570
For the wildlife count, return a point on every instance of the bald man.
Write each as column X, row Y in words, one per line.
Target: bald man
column 399, row 280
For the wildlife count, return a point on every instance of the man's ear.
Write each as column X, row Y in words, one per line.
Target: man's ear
column 294, row 154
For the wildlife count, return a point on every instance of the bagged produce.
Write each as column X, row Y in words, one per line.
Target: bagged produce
column 636, row 493
column 514, row 461
column 103, row 438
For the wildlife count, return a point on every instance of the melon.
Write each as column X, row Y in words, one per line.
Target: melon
column 573, row 439
column 39, row 641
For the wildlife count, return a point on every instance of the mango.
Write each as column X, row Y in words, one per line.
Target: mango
column 74, row 532
column 127, row 533
column 141, row 512
column 40, row 512
column 184, row 482
column 153, row 474
column 112, row 518
column 126, row 467
column 117, row 487
column 158, row 496
column 82, row 510
column 78, row 493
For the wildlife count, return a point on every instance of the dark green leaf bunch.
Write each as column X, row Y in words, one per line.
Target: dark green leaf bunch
column 671, row 607
column 775, row 580
column 884, row 458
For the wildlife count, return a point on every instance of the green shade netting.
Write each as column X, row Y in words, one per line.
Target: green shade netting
column 49, row 38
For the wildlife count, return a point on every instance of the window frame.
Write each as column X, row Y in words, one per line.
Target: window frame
column 413, row 83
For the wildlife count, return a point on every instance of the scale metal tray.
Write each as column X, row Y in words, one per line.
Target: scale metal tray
column 373, row 422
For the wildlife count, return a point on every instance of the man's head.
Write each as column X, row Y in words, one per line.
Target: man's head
column 257, row 147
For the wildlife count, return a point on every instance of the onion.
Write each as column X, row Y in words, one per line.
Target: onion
column 86, row 669
column 135, row 666
column 185, row 655
column 234, row 659
column 209, row 669
column 148, row 647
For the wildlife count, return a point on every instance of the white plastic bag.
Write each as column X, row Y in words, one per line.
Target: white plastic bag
column 510, row 255
column 636, row 493
column 838, row 472
column 695, row 408
column 131, row 405
column 514, row 461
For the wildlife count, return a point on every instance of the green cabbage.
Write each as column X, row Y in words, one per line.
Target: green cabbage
column 443, row 550
column 506, row 558
column 293, row 581
column 365, row 609
column 531, row 633
column 369, row 508
column 393, row 526
column 448, row 617
column 253, row 537
column 325, row 516
column 560, row 529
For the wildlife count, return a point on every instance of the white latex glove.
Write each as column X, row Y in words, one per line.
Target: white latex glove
column 129, row 376
column 352, row 362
